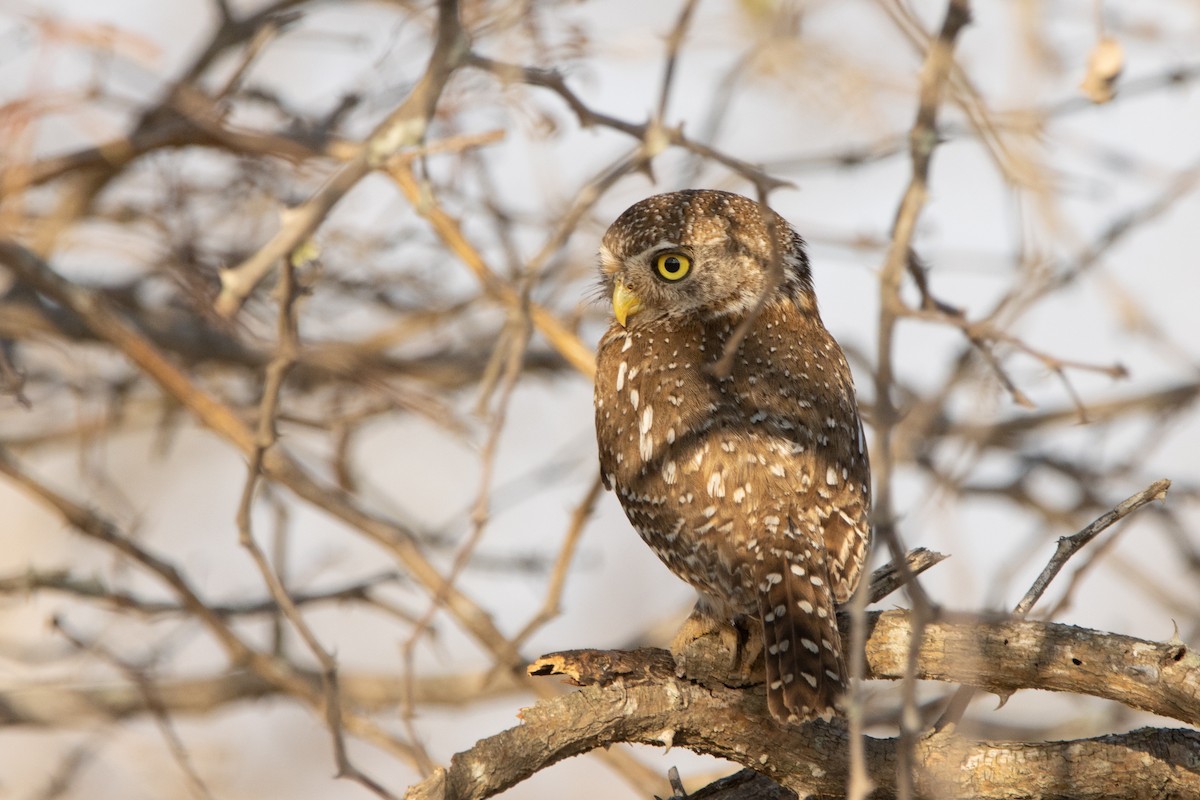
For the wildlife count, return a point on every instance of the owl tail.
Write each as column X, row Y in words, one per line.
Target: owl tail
column 806, row 672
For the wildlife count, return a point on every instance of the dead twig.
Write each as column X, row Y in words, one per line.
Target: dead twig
column 1067, row 547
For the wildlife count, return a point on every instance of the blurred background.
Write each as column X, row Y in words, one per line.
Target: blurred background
column 203, row 168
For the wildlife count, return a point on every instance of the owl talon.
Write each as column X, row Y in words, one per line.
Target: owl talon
column 706, row 648
column 750, row 665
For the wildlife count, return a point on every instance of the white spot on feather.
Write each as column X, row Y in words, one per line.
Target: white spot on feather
column 646, row 446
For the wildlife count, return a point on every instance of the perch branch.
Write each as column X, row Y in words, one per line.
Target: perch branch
column 635, row 696
column 1067, row 547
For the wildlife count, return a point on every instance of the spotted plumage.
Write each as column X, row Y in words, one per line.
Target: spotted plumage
column 754, row 488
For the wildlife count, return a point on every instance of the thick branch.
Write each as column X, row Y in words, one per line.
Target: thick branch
column 1001, row 656
column 636, row 697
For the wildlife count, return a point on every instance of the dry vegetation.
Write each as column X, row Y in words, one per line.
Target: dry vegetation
column 227, row 267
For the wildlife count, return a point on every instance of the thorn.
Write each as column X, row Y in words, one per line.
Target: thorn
column 647, row 169
column 1179, row 648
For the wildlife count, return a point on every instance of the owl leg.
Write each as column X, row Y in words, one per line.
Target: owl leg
column 806, row 673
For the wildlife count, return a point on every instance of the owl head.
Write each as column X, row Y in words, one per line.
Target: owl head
column 699, row 254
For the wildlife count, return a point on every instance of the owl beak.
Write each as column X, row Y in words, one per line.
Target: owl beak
column 625, row 303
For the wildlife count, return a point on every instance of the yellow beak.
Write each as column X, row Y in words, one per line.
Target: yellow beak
column 625, row 303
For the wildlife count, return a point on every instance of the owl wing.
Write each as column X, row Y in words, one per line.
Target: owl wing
column 798, row 389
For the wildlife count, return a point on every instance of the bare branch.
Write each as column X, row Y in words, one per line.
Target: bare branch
column 404, row 127
column 636, row 697
column 1067, row 547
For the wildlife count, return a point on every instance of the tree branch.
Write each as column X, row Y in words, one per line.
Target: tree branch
column 67, row 705
column 636, row 697
column 404, row 127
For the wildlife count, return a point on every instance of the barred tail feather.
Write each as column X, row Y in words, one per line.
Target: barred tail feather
column 806, row 673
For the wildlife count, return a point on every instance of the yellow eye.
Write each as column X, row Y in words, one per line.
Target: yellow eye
column 672, row 266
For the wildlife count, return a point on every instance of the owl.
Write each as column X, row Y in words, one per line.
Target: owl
column 754, row 487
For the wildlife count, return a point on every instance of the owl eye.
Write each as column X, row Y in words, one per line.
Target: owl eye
column 672, row 266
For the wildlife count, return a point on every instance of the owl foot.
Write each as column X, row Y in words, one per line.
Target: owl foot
column 706, row 648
